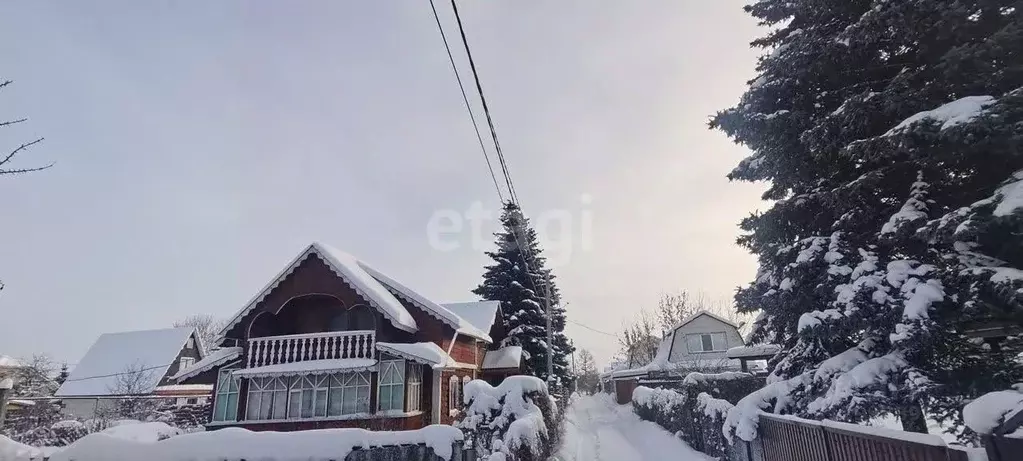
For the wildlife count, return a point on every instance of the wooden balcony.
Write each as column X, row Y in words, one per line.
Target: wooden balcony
column 273, row 350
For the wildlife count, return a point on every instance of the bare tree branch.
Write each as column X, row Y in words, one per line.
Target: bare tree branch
column 10, row 156
column 207, row 328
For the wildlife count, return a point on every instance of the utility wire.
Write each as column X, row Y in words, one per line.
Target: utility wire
column 590, row 328
column 130, row 372
column 486, row 110
column 461, row 87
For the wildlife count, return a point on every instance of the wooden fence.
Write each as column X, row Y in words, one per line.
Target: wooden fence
column 783, row 438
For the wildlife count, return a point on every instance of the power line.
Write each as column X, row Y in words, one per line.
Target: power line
column 486, row 109
column 131, row 372
column 461, row 87
column 590, row 328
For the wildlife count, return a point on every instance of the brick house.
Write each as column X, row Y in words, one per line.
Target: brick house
column 332, row 342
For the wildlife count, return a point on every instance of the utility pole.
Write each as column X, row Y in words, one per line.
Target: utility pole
column 550, row 332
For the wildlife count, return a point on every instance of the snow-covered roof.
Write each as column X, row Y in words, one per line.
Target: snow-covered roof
column 759, row 350
column 380, row 291
column 183, row 389
column 214, row 358
column 7, row 361
column 436, row 310
column 481, row 314
column 349, row 269
column 148, row 353
column 505, row 357
column 308, row 367
column 426, row 353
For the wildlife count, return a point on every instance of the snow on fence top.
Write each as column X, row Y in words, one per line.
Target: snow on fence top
column 231, row 444
column 988, row 412
column 758, row 350
column 702, row 378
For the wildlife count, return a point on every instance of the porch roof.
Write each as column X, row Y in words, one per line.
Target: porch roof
column 308, row 367
column 425, row 353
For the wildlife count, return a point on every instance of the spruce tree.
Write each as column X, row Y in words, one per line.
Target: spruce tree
column 518, row 279
column 889, row 132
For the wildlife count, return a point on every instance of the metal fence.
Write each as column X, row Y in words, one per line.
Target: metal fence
column 792, row 439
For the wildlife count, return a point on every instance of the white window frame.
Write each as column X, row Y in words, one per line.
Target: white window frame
column 267, row 393
column 394, row 371
column 709, row 336
column 190, row 344
column 224, row 391
column 415, row 386
column 355, row 384
column 185, row 362
column 316, row 387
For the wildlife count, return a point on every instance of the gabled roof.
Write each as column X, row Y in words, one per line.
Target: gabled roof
column 351, row 272
column 481, row 314
column 709, row 314
column 381, row 291
column 148, row 353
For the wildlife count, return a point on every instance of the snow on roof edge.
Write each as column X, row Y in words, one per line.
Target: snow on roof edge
column 321, row 251
column 436, row 310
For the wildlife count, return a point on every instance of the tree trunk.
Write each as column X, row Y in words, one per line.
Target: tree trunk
column 912, row 417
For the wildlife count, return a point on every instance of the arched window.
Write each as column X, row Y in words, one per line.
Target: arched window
column 357, row 318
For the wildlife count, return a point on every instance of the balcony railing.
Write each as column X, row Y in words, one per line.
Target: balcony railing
column 273, row 350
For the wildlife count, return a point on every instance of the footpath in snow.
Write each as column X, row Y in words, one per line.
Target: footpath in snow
column 597, row 429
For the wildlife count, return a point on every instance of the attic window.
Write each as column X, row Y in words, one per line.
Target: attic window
column 190, row 344
column 707, row 342
column 185, row 362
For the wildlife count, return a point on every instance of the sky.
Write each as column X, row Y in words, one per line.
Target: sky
column 199, row 146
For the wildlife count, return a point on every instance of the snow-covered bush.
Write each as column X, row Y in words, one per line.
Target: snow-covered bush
column 989, row 412
column 517, row 420
column 711, row 413
column 235, row 444
column 665, row 407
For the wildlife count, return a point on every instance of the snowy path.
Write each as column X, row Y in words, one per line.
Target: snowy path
column 597, row 429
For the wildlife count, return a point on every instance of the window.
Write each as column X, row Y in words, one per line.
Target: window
column 307, row 397
column 185, row 362
column 707, row 342
column 349, row 394
column 226, row 403
column 391, row 393
column 190, row 344
column 267, row 398
column 415, row 387
column 454, row 395
column 356, row 318
column 191, row 401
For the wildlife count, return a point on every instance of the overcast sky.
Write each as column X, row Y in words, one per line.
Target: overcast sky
column 199, row 146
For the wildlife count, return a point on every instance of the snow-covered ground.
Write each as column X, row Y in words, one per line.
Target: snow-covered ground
column 597, row 429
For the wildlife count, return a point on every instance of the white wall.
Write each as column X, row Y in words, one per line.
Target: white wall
column 703, row 324
column 86, row 408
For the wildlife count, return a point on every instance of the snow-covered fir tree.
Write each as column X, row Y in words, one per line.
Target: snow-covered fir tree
column 889, row 132
column 517, row 279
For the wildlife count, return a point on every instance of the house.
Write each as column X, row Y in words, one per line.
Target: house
column 332, row 342
column 698, row 343
column 132, row 364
